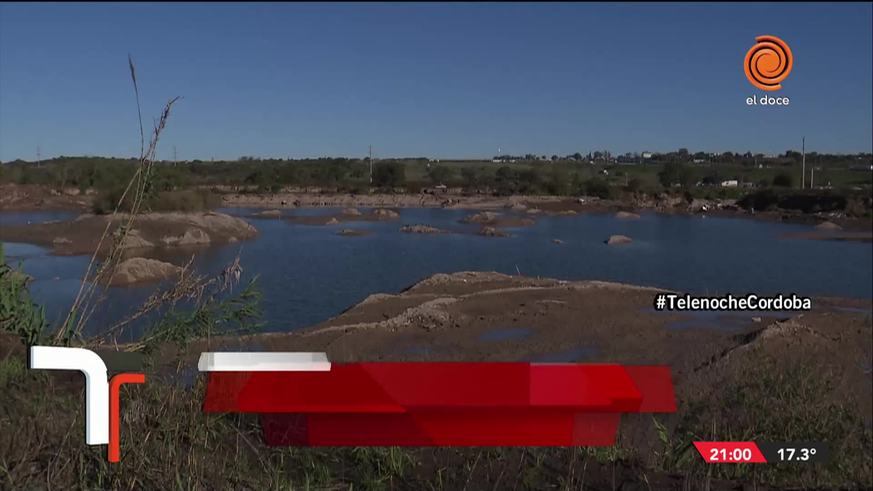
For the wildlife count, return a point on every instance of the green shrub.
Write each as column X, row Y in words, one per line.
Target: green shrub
column 18, row 314
column 764, row 199
column 389, row 174
column 598, row 187
column 188, row 200
column 783, row 180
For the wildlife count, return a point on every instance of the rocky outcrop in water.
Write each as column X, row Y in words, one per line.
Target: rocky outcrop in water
column 626, row 215
column 142, row 270
column 618, row 240
column 421, row 229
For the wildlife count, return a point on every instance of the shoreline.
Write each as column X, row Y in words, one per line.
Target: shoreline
column 850, row 228
column 548, row 205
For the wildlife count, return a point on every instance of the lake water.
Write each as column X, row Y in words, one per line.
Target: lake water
column 309, row 273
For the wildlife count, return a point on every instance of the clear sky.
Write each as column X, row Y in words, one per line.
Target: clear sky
column 437, row 80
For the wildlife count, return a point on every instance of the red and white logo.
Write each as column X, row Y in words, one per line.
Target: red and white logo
column 101, row 394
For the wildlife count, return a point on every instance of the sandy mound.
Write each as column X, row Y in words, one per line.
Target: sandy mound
column 140, row 270
column 133, row 240
column 483, row 217
column 268, row 214
column 618, row 240
column 828, row 226
column 192, row 236
column 626, row 215
column 354, row 212
column 492, row 232
column 385, row 214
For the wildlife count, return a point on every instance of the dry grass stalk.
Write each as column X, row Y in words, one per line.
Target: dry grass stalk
column 83, row 305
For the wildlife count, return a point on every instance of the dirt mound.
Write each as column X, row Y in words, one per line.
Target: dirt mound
column 268, row 214
column 385, row 214
column 618, row 240
column 492, row 232
column 485, row 217
column 141, row 270
column 133, row 240
column 82, row 235
column 626, row 215
column 352, row 212
column 828, row 226
column 192, row 236
column 421, row 229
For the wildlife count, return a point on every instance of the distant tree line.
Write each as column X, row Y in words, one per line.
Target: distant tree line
column 173, row 183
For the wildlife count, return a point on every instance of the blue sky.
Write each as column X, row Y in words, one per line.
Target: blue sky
column 438, row 80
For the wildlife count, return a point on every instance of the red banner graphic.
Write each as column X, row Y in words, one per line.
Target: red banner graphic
column 443, row 404
column 730, row 452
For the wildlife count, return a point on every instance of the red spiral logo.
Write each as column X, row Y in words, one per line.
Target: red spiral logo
column 768, row 63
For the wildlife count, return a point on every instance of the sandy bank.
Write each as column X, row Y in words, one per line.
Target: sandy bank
column 31, row 197
column 149, row 231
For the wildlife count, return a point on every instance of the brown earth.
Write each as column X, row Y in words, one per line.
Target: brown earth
column 149, row 231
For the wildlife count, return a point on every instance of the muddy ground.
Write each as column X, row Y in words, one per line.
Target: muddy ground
column 495, row 317
column 731, row 371
column 790, row 377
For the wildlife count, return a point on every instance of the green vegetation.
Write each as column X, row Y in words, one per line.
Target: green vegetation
column 774, row 401
column 389, row 175
column 699, row 174
column 18, row 313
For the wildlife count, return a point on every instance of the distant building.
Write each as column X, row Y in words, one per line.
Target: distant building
column 647, row 155
column 730, row 183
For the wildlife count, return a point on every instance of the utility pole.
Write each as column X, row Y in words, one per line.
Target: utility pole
column 812, row 178
column 803, row 163
column 370, row 158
